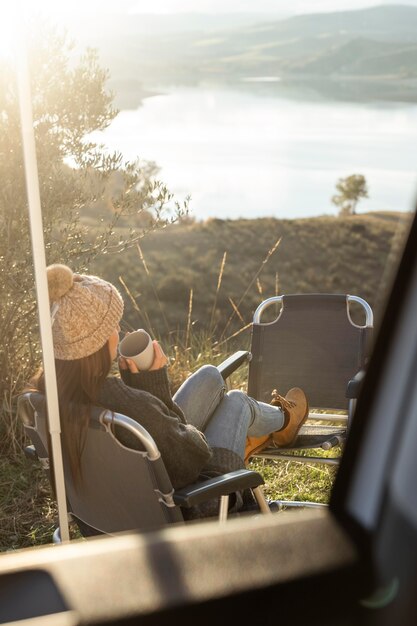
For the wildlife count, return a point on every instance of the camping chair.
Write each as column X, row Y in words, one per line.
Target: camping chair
column 124, row 489
column 312, row 343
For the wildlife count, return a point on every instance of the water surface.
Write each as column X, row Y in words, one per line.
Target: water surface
column 242, row 154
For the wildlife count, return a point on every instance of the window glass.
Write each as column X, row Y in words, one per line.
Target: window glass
column 202, row 158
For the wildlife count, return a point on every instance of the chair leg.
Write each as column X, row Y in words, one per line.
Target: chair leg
column 224, row 508
column 260, row 499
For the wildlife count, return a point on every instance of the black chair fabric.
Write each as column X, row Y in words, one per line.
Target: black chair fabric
column 313, row 344
column 118, row 488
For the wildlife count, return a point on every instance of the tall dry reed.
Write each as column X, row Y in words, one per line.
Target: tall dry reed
column 267, row 258
column 219, row 282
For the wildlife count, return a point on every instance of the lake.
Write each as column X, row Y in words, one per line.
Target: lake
column 241, row 153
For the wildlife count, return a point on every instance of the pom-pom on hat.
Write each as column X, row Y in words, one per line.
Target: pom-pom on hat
column 85, row 312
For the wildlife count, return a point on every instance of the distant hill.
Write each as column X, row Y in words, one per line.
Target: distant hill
column 372, row 42
column 378, row 44
column 396, row 22
column 324, row 254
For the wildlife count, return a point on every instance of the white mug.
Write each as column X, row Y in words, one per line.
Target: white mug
column 138, row 347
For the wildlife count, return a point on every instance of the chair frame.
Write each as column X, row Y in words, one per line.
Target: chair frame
column 218, row 487
column 369, row 323
column 353, row 386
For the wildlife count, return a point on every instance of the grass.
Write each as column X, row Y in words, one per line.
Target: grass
column 231, row 265
column 288, row 480
column 28, row 513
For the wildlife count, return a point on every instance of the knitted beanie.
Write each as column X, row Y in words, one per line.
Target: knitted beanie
column 85, row 311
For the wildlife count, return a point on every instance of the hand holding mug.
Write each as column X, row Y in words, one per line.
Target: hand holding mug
column 139, row 353
column 160, row 359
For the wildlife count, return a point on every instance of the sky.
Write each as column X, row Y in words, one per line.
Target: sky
column 283, row 7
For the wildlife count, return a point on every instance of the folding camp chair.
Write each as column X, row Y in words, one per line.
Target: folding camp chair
column 124, row 489
column 312, row 343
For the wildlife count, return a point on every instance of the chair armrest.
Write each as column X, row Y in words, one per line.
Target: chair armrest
column 233, row 362
column 354, row 385
column 30, row 453
column 218, row 486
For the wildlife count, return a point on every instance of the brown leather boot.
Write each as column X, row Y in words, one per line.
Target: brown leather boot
column 295, row 409
column 255, row 445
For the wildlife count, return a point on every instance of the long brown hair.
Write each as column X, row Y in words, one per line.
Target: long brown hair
column 78, row 386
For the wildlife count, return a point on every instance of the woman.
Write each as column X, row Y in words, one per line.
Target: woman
column 200, row 431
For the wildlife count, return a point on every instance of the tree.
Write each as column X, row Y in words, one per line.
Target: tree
column 351, row 189
column 76, row 175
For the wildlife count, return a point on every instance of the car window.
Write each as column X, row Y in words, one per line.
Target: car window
column 202, row 162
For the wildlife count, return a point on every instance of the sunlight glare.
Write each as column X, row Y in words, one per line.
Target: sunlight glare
column 8, row 16
column 56, row 10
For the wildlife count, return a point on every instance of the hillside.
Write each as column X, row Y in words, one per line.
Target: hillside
column 375, row 48
column 323, row 254
column 364, row 57
column 317, row 43
column 379, row 44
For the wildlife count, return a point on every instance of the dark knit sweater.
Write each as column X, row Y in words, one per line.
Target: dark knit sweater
column 146, row 398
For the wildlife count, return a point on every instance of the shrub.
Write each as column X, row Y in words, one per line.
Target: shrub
column 69, row 102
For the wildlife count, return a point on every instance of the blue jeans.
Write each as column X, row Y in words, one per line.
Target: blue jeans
column 225, row 417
